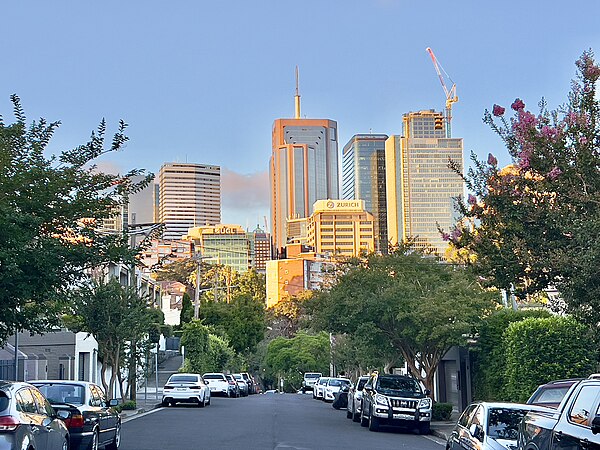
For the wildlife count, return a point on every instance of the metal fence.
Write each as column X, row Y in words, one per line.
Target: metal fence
column 7, row 370
column 172, row 343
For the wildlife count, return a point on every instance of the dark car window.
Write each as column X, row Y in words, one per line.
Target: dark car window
column 580, row 411
column 4, row 402
column 42, row 404
column 464, row 418
column 334, row 382
column 550, row 395
column 361, row 384
column 188, row 378
column 63, row 393
column 503, row 423
column 477, row 417
column 25, row 401
column 398, row 386
column 216, row 376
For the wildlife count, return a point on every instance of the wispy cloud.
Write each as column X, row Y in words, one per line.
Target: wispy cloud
column 245, row 197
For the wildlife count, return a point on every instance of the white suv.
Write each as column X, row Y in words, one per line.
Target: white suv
column 319, row 388
column 218, row 384
column 185, row 388
column 334, row 385
column 310, row 378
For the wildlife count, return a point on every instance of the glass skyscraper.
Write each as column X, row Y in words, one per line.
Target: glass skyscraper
column 363, row 178
column 421, row 188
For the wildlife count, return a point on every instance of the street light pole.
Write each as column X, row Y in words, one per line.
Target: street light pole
column 197, row 294
column 16, row 355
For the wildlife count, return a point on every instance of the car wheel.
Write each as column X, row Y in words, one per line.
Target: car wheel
column 95, row 439
column 65, row 445
column 424, row 428
column 373, row 422
column 116, row 442
column 355, row 417
column 348, row 413
column 165, row 403
column 364, row 421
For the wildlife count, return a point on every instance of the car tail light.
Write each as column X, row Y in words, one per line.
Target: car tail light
column 232, row 382
column 8, row 423
column 166, row 388
column 74, row 421
column 195, row 386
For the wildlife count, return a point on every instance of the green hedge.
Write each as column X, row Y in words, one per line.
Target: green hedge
column 539, row 350
column 441, row 411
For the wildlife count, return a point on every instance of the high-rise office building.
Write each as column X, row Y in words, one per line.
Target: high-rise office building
column 226, row 245
column 260, row 249
column 363, row 178
column 420, row 186
column 303, row 169
column 189, row 196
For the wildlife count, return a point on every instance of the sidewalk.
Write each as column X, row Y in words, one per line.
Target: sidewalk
column 442, row 429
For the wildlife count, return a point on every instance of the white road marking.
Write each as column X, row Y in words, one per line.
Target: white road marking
column 137, row 416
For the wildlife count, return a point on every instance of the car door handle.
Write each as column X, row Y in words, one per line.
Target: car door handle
column 584, row 443
column 558, row 436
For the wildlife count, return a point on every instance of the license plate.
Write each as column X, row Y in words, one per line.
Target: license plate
column 180, row 389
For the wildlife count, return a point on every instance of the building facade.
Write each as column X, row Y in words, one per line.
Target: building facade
column 421, row 188
column 161, row 252
column 189, row 196
column 260, row 249
column 303, row 169
column 227, row 245
column 341, row 228
column 363, row 178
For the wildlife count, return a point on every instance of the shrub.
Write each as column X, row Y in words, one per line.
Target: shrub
column 129, row 405
column 544, row 349
column 441, row 411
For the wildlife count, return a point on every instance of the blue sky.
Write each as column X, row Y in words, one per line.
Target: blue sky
column 203, row 81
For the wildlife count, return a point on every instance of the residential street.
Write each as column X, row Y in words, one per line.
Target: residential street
column 269, row 421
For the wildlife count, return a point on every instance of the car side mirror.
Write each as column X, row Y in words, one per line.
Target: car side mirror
column 368, row 388
column 427, row 392
column 63, row 415
column 114, row 402
column 46, row 422
column 476, row 431
column 596, row 424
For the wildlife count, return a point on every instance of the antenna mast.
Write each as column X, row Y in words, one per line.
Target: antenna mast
column 297, row 97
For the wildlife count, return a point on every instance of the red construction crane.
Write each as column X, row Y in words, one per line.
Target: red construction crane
column 451, row 96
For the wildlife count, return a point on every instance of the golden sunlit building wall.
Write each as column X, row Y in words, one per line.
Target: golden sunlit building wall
column 227, row 245
column 285, row 278
column 420, row 187
column 341, row 228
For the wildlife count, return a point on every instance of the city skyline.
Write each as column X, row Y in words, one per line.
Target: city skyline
column 203, row 83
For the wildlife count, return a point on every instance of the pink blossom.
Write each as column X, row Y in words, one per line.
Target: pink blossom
column 525, row 159
column 456, row 234
column 492, row 161
column 549, row 132
column 554, row 173
column 445, row 237
column 592, row 72
column 498, row 110
column 472, row 200
column 527, row 118
column 518, row 105
column 583, row 140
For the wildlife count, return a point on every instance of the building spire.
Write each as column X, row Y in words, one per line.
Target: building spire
column 297, row 97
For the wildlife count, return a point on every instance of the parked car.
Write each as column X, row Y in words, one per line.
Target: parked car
column 234, row 388
column 319, row 389
column 575, row 424
column 186, row 388
column 334, row 385
column 489, row 426
column 217, row 383
column 551, row 394
column 242, row 384
column 355, row 399
column 252, row 388
column 309, row 380
column 27, row 420
column 340, row 399
column 92, row 422
column 395, row 400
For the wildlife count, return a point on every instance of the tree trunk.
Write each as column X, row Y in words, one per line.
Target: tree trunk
column 103, row 375
column 132, row 375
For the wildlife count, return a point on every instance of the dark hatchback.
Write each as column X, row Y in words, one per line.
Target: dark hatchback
column 93, row 422
column 27, row 420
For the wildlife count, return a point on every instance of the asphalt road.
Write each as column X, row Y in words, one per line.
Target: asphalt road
column 267, row 421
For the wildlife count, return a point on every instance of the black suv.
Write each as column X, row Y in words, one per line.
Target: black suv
column 395, row 400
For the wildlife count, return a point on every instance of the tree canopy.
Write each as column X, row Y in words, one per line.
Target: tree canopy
column 415, row 305
column 50, row 211
column 536, row 223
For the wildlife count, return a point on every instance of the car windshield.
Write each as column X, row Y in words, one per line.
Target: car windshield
column 401, row 386
column 337, row 382
column 183, row 379
column 361, row 384
column 312, row 375
column 550, row 395
column 214, row 376
column 73, row 394
column 503, row 423
column 238, row 377
column 323, row 380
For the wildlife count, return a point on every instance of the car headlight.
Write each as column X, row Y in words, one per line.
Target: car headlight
column 425, row 403
column 381, row 400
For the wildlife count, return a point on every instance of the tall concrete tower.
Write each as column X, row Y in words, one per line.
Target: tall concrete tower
column 420, row 186
column 303, row 168
column 189, row 196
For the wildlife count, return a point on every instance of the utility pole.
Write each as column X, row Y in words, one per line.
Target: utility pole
column 197, row 293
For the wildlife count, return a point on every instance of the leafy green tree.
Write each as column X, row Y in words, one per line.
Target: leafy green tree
column 542, row 349
column 181, row 270
column 254, row 284
column 287, row 316
column 290, row 358
column 114, row 315
column 50, row 208
column 488, row 355
column 417, row 305
column 536, row 223
column 207, row 352
column 187, row 309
